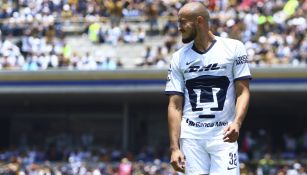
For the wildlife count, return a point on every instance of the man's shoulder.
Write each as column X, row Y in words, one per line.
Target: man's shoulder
column 181, row 53
column 230, row 45
column 183, row 49
column 229, row 41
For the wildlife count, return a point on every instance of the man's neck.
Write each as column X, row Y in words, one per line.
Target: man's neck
column 203, row 43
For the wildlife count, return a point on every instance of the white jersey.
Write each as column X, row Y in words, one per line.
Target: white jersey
column 206, row 80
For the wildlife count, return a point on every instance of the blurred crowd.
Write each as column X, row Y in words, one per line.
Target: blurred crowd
column 103, row 161
column 98, row 161
column 259, row 154
column 33, row 31
column 265, row 153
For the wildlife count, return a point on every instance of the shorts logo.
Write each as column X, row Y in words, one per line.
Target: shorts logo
column 230, row 168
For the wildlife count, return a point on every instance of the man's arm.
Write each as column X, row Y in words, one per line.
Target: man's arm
column 174, row 119
column 243, row 95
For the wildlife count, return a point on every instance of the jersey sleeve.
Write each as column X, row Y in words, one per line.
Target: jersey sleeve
column 175, row 80
column 241, row 68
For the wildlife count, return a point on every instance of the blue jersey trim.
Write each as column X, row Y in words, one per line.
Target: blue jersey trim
column 244, row 78
column 174, row 93
column 203, row 52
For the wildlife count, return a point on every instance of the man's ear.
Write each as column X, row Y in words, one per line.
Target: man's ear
column 200, row 19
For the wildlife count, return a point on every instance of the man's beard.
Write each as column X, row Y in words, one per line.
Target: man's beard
column 189, row 38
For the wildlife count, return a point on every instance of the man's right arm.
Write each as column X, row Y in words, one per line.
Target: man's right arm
column 174, row 119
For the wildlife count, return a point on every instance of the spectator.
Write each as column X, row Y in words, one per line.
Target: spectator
column 125, row 167
column 108, row 64
column 93, row 32
column 114, row 35
column 159, row 59
column 147, row 58
column 115, row 8
column 152, row 17
column 266, row 165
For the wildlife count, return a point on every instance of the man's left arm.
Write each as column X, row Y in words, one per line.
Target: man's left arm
column 231, row 133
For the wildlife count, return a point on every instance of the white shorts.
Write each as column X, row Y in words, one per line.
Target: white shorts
column 213, row 157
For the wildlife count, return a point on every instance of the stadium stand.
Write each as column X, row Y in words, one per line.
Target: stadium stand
column 114, row 42
column 273, row 32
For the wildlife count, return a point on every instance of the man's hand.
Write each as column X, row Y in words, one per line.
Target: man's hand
column 231, row 133
column 178, row 160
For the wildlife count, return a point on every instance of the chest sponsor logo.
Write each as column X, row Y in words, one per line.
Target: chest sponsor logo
column 209, row 67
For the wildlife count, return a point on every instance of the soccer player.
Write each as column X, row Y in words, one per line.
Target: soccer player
column 208, row 88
